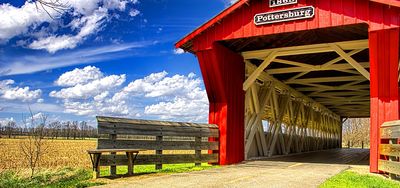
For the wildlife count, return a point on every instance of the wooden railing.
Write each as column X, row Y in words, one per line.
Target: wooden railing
column 390, row 131
column 124, row 133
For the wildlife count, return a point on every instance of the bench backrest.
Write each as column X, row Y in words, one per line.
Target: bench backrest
column 390, row 131
column 120, row 133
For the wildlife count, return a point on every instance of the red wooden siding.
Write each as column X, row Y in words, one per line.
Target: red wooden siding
column 223, row 73
column 384, row 59
column 328, row 13
column 223, row 70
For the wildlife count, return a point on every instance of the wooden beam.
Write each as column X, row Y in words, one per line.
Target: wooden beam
column 327, row 79
column 305, row 49
column 294, row 63
column 336, row 60
column 350, row 60
column 352, row 88
column 310, row 68
column 253, row 77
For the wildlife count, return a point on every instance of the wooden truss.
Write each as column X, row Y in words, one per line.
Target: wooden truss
column 354, row 79
column 281, row 119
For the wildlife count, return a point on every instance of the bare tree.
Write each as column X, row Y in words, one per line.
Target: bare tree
column 10, row 128
column 58, row 6
column 356, row 132
column 34, row 147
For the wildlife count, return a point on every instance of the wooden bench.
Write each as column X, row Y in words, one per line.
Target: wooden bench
column 119, row 135
column 95, row 156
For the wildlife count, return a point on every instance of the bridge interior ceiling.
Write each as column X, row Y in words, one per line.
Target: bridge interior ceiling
column 330, row 66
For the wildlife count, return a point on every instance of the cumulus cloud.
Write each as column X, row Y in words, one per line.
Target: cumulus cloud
column 25, row 94
column 87, row 18
column 15, row 21
column 158, row 95
column 86, row 91
column 179, row 51
column 79, row 76
column 91, row 89
column 181, row 97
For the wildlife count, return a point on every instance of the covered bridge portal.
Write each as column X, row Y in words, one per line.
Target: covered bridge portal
column 302, row 66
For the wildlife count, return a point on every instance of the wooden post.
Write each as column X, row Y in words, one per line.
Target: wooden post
column 362, row 144
column 159, row 152
column 348, row 144
column 384, row 60
column 392, row 158
column 113, row 168
column 223, row 72
column 96, row 172
column 198, row 152
column 130, row 163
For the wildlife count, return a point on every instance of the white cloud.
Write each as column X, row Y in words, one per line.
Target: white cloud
column 190, row 107
column 8, row 92
column 179, row 51
column 31, row 64
column 134, row 12
column 91, row 89
column 5, row 121
column 159, row 96
column 88, row 25
column 87, row 90
column 15, row 21
column 79, row 76
column 229, row 2
column 181, row 96
column 88, row 17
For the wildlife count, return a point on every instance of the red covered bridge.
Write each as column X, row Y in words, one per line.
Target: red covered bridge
column 281, row 75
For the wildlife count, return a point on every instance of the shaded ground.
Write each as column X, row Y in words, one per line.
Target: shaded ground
column 303, row 170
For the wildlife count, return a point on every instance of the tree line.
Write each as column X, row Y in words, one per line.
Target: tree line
column 52, row 130
column 356, row 132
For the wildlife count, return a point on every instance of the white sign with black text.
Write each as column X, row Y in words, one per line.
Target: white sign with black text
column 277, row 3
column 284, row 15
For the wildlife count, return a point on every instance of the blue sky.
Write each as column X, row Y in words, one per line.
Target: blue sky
column 102, row 57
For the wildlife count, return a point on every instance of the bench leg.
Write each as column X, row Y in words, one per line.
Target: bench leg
column 130, row 163
column 96, row 165
column 113, row 168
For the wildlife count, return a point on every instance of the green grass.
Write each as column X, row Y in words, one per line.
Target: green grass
column 70, row 177
column 63, row 178
column 150, row 169
column 354, row 180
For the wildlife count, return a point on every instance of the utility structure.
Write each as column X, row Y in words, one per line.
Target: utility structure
column 281, row 75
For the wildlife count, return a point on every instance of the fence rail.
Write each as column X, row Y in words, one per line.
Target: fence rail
column 157, row 134
column 390, row 131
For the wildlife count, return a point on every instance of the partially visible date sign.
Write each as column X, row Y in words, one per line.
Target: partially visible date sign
column 277, row 3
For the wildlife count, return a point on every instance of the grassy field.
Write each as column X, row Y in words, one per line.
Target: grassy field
column 355, row 180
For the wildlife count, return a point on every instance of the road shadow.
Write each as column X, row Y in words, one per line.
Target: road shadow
column 335, row 156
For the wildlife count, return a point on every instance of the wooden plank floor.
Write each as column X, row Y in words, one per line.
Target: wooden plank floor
column 335, row 156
